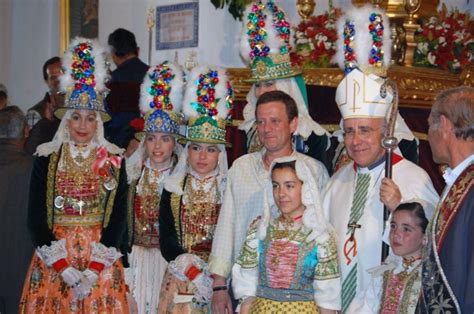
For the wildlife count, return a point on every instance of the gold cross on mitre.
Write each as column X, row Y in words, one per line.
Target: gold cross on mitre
column 358, row 96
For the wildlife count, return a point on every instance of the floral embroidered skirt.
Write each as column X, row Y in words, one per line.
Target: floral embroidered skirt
column 173, row 296
column 45, row 292
column 263, row 306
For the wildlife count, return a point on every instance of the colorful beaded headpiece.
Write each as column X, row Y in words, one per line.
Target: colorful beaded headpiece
column 266, row 33
column 207, row 104
column 364, row 41
column 363, row 51
column 83, row 80
column 161, row 99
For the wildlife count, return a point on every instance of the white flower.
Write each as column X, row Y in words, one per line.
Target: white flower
column 446, row 25
column 302, row 41
column 431, row 58
column 422, row 47
column 456, row 64
column 442, row 41
column 458, row 36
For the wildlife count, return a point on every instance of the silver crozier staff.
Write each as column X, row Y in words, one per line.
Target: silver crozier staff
column 389, row 142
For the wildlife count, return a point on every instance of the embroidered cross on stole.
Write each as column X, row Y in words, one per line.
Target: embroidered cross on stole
column 349, row 284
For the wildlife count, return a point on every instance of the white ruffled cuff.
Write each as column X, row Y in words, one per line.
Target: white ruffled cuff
column 104, row 255
column 52, row 253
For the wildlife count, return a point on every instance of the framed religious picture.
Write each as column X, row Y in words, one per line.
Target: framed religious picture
column 177, row 26
column 77, row 18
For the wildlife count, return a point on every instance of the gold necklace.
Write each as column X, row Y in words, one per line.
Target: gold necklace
column 73, row 178
column 78, row 169
column 201, row 211
column 199, row 195
column 150, row 199
column 408, row 262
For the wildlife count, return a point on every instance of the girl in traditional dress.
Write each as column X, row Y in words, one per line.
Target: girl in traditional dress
column 288, row 263
column 147, row 169
column 396, row 283
column 193, row 194
column 77, row 205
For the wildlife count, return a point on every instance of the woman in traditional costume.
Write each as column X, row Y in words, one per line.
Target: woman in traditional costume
column 288, row 263
column 77, row 205
column 396, row 284
column 148, row 167
column 193, row 194
column 264, row 45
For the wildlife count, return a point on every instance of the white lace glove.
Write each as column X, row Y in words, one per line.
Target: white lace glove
column 101, row 257
column 71, row 276
column 89, row 278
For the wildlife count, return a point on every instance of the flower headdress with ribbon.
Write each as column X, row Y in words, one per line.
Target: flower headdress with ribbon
column 83, row 83
column 84, row 78
column 207, row 104
column 160, row 105
column 265, row 42
column 161, row 99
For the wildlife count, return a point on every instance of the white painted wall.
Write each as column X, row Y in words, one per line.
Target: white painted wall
column 29, row 36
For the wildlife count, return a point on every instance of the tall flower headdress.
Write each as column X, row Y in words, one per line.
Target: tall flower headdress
column 161, row 99
column 265, row 42
column 84, row 78
column 207, row 104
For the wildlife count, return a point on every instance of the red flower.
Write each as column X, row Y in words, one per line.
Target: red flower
column 138, row 124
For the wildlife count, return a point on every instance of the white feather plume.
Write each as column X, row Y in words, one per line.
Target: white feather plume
column 191, row 89
column 273, row 40
column 363, row 39
column 244, row 47
column 100, row 72
column 176, row 92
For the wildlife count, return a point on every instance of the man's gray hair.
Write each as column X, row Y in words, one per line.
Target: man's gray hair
column 456, row 104
column 12, row 123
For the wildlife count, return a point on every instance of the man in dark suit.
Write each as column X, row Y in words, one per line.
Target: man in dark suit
column 15, row 244
column 122, row 101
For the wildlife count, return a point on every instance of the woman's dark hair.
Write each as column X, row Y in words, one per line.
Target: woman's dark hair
column 416, row 209
column 282, row 165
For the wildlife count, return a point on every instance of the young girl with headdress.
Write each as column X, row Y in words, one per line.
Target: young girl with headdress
column 288, row 263
column 264, row 45
column 396, row 284
column 147, row 168
column 77, row 205
column 191, row 201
